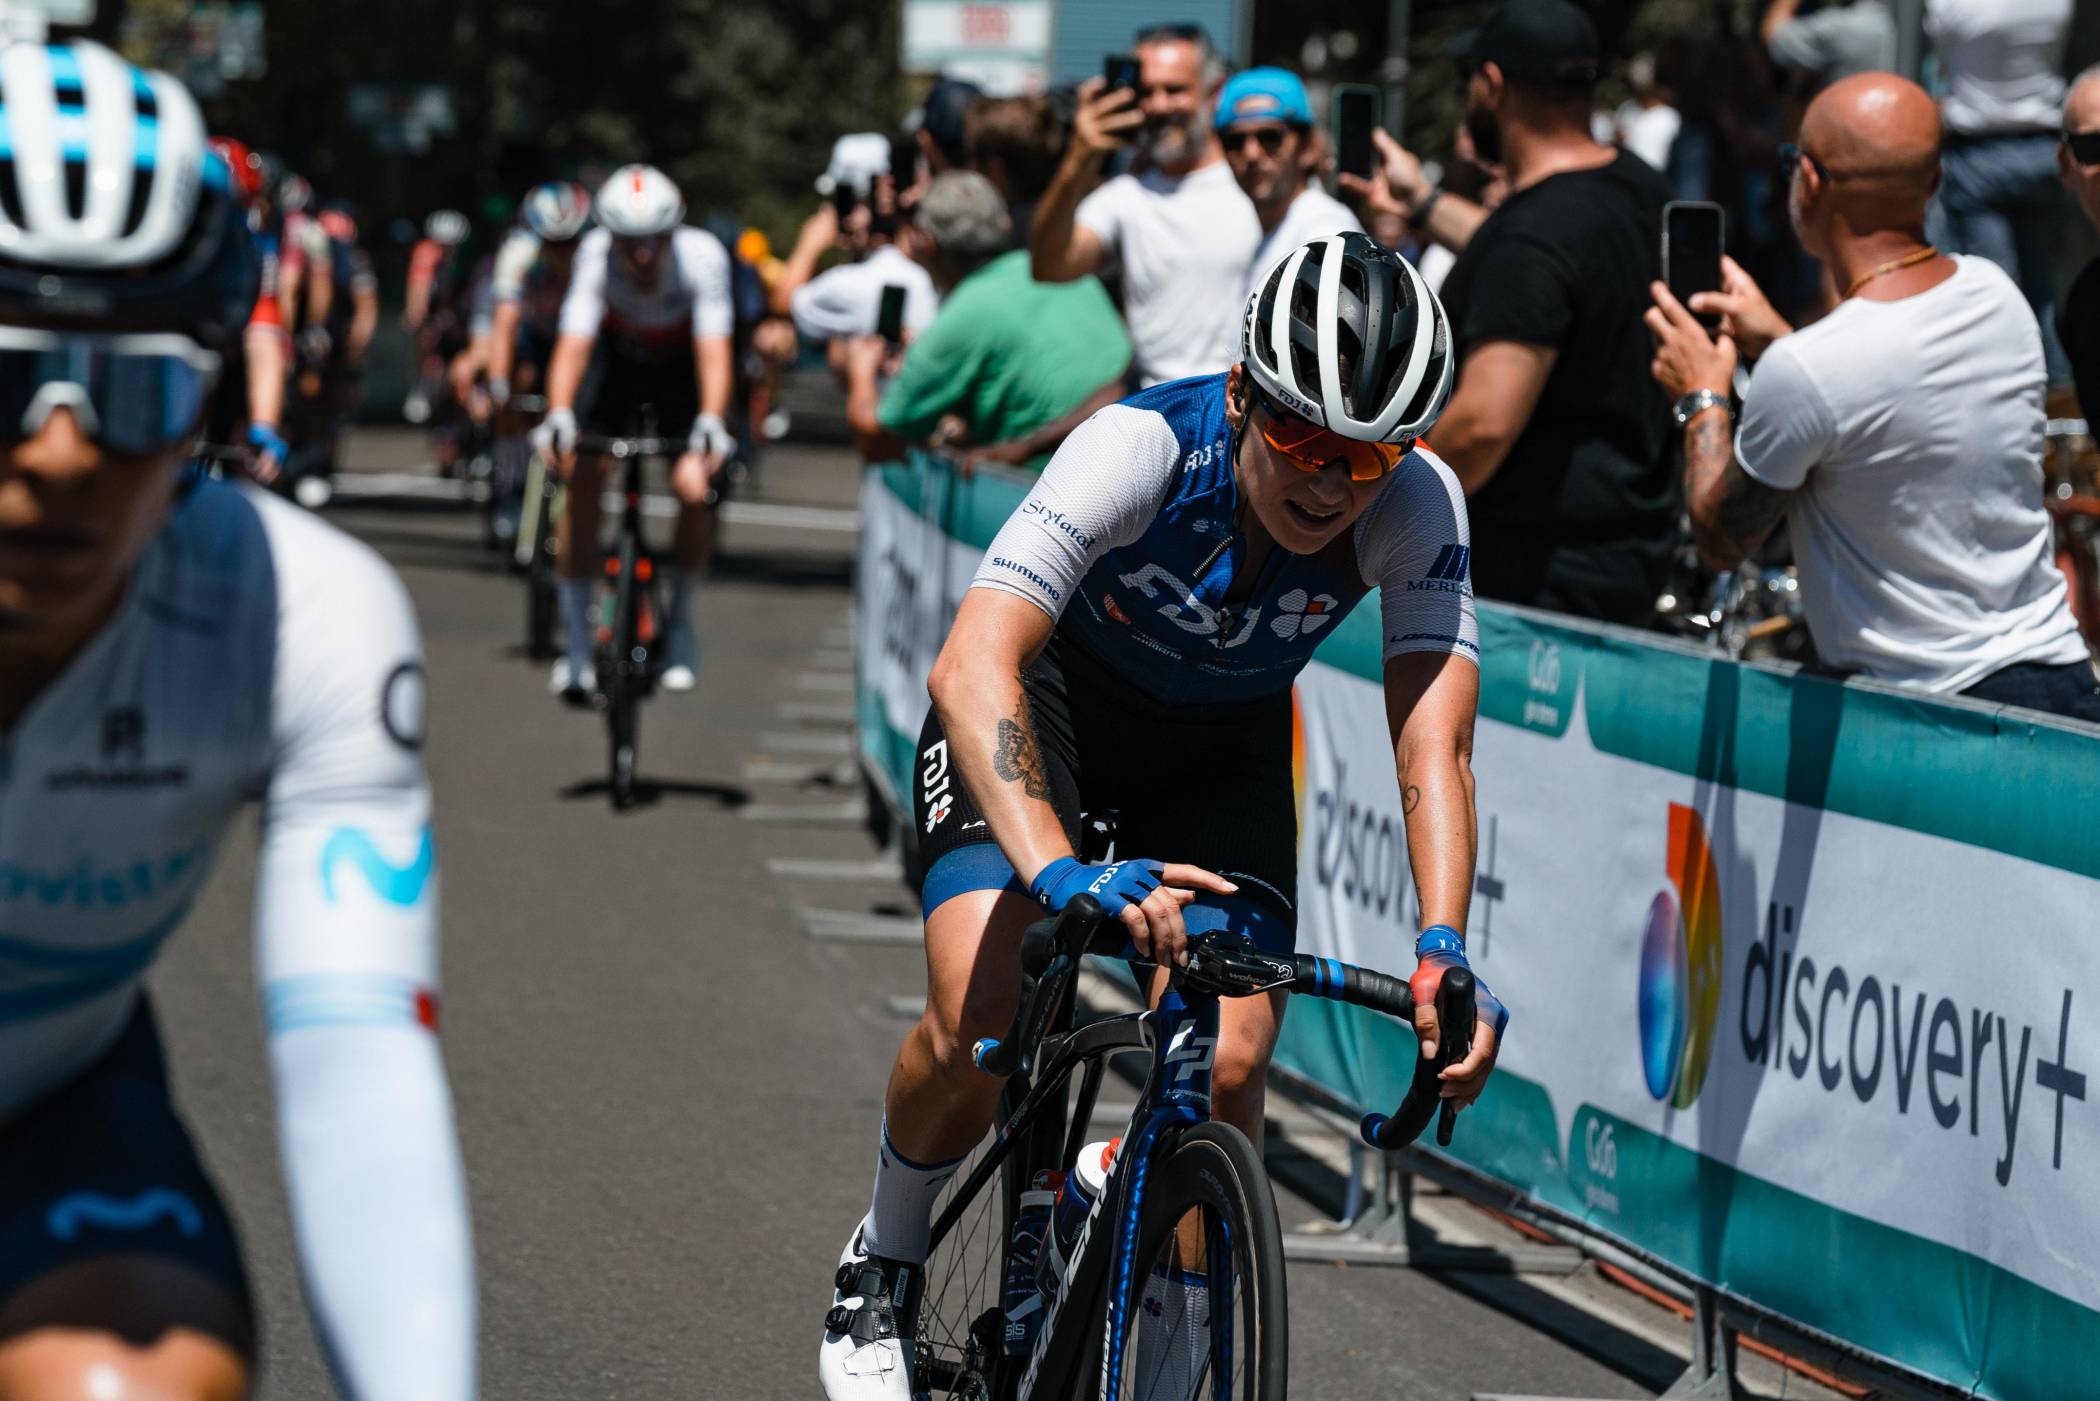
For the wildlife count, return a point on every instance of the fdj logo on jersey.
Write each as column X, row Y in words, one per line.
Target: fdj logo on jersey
column 1185, row 610
column 1680, row 987
column 935, row 782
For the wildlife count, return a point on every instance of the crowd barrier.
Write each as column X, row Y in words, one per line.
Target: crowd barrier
column 1804, row 977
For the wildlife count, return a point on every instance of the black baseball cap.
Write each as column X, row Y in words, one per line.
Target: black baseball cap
column 1550, row 43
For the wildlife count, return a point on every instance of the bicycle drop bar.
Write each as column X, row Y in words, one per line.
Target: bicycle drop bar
column 1226, row 965
column 597, row 446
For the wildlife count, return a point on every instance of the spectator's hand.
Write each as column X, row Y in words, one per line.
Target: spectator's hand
column 1686, row 358
column 820, row 231
column 863, row 357
column 1746, row 316
column 1007, row 454
column 951, row 433
column 1104, row 121
column 1396, row 185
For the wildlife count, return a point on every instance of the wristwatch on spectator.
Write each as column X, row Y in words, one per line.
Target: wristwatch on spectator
column 1698, row 402
column 1419, row 210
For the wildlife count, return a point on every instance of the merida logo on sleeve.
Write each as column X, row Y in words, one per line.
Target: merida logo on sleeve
column 1449, row 574
column 397, row 885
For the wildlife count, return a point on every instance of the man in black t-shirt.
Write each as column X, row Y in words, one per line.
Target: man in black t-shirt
column 2078, row 315
column 1556, row 429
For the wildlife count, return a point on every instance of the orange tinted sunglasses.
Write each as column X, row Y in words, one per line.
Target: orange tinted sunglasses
column 1311, row 448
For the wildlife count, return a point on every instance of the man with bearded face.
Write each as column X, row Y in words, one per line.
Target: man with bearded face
column 1178, row 225
column 1554, row 430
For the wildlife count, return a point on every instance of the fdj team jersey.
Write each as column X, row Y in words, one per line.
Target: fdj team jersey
column 688, row 300
column 1132, row 539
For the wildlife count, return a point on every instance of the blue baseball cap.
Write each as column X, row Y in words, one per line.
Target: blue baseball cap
column 1263, row 94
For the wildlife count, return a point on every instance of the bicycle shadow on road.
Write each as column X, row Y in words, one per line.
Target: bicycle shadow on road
column 648, row 792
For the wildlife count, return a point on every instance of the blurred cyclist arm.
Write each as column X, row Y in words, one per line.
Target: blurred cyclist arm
column 503, row 347
column 364, row 318
column 347, row 960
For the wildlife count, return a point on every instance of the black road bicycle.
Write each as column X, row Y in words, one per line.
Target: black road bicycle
column 627, row 652
column 1185, row 1200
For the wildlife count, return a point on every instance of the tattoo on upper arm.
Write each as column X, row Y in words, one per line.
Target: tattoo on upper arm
column 1015, row 758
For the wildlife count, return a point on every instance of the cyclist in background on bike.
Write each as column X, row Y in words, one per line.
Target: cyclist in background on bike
column 1129, row 643
column 248, row 400
column 646, row 322
column 171, row 646
column 526, row 287
column 431, row 313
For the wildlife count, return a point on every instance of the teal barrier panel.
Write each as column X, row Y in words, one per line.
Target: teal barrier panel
column 1804, row 977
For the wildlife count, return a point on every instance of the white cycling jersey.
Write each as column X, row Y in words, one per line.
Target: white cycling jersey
column 690, row 298
column 260, row 654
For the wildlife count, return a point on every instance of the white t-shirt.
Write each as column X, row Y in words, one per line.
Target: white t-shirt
column 847, row 300
column 1314, row 214
column 1911, row 432
column 1649, row 132
column 1184, row 243
column 1837, row 42
column 2002, row 61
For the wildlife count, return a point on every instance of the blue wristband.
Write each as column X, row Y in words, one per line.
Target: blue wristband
column 1441, row 938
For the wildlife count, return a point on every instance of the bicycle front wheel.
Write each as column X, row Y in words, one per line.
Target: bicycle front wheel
column 1207, row 1314
column 623, row 680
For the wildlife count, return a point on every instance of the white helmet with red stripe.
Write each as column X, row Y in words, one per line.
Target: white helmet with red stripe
column 638, row 202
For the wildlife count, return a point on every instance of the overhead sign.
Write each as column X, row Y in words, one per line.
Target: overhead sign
column 1003, row 46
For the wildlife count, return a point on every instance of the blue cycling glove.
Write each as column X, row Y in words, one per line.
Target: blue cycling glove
column 266, row 440
column 1441, row 947
column 1116, row 886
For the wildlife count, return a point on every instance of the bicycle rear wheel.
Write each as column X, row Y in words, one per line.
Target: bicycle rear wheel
column 1207, row 1316
column 623, row 678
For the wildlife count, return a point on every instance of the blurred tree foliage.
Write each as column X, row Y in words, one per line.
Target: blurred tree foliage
column 738, row 102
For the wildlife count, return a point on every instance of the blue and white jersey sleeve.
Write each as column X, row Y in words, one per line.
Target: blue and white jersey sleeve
column 346, row 924
column 1100, row 491
column 1414, row 544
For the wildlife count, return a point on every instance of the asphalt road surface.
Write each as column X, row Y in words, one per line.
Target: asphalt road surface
column 667, row 1091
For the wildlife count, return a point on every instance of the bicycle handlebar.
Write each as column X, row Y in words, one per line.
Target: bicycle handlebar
column 1226, row 965
column 601, row 446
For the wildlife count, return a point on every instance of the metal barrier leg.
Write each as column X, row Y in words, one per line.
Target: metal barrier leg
column 1386, row 1232
column 1711, row 1377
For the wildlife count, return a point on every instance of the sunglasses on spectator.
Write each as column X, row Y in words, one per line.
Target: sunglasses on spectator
column 136, row 395
column 1270, row 138
column 1791, row 156
column 2084, row 146
column 1311, row 448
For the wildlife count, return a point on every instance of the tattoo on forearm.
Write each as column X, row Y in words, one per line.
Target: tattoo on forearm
column 1744, row 509
column 1016, row 759
column 1410, row 799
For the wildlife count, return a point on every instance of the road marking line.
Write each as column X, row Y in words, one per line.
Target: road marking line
column 853, row 927
column 804, row 772
column 821, row 712
column 851, row 813
column 807, row 742
column 810, row 868
column 824, row 681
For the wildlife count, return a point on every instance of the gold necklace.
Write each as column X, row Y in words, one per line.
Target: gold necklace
column 1894, row 265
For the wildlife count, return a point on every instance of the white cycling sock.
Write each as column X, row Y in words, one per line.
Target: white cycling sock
column 576, row 597
column 1173, row 1336
column 900, row 1217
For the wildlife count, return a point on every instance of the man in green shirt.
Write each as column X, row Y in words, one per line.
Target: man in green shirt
column 1009, row 366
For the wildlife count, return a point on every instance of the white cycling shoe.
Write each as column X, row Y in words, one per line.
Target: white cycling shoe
column 868, row 1333
column 681, row 659
column 571, row 681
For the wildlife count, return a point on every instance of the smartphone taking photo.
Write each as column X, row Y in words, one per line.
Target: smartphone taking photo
column 1357, row 110
column 889, row 318
column 1120, row 71
column 1694, row 235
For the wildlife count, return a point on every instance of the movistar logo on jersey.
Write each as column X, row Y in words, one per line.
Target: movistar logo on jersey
column 1450, row 573
column 87, row 887
column 397, row 885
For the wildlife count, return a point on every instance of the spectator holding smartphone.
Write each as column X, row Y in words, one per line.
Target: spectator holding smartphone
column 2078, row 161
column 1554, row 429
column 1265, row 124
column 1009, row 364
column 1178, row 227
column 843, row 301
column 1900, row 436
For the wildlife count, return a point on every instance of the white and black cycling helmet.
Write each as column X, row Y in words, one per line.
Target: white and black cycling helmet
column 446, row 226
column 115, row 214
column 1346, row 335
column 556, row 211
column 639, row 201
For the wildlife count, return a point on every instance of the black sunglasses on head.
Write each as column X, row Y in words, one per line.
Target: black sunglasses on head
column 2084, row 146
